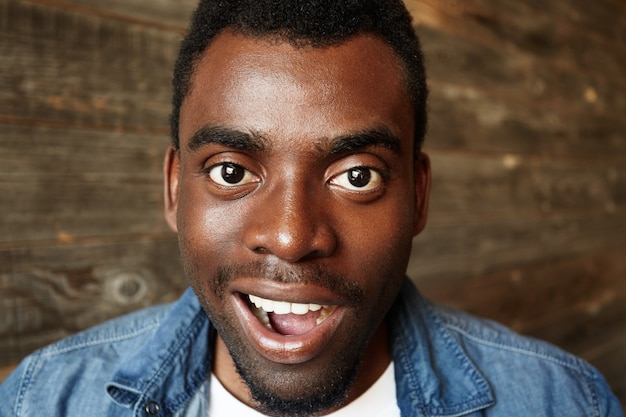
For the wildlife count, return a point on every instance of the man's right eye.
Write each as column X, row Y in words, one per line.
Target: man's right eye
column 231, row 175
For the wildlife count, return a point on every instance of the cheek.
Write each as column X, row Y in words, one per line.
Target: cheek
column 206, row 232
column 379, row 242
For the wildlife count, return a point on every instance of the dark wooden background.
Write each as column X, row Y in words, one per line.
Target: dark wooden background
column 528, row 212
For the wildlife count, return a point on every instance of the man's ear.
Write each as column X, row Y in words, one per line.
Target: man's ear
column 422, row 175
column 171, row 177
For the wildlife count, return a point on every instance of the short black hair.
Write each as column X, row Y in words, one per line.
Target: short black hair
column 316, row 23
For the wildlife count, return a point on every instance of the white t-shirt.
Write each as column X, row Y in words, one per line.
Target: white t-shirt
column 379, row 400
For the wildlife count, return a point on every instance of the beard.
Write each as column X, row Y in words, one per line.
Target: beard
column 292, row 393
column 285, row 389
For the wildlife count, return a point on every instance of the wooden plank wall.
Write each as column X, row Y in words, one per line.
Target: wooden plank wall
column 85, row 89
column 527, row 222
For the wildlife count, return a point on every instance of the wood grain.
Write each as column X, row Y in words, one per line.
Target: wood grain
column 66, row 184
column 469, row 119
column 49, row 292
column 83, row 71
column 164, row 14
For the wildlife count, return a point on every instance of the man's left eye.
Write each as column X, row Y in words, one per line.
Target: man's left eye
column 358, row 179
column 230, row 175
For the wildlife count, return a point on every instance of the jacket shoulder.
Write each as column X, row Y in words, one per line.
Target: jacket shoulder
column 81, row 362
column 490, row 334
column 528, row 373
column 127, row 329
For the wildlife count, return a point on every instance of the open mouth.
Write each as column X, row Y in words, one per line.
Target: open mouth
column 289, row 319
column 287, row 332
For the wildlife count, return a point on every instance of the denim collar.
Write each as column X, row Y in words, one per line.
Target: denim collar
column 434, row 377
column 171, row 365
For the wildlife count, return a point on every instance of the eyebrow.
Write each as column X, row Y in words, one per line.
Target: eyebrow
column 231, row 138
column 381, row 137
column 254, row 142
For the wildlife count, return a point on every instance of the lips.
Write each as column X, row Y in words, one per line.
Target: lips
column 291, row 326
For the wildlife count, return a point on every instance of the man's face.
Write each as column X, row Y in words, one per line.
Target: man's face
column 295, row 188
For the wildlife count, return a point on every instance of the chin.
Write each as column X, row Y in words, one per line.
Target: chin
column 310, row 388
column 297, row 390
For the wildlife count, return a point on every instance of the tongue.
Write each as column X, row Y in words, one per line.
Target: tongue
column 293, row 324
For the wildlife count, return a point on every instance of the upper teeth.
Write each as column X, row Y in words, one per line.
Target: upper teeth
column 282, row 307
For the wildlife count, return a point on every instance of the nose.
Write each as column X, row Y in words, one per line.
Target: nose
column 290, row 224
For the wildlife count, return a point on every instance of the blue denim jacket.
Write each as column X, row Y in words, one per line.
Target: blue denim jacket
column 155, row 363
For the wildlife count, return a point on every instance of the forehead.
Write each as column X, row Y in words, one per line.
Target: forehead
column 270, row 86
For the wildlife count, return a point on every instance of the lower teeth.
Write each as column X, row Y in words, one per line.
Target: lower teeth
column 262, row 316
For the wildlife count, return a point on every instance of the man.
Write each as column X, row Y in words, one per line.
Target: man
column 296, row 183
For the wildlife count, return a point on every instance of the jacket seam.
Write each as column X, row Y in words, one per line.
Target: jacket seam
column 25, row 381
column 484, row 393
column 576, row 367
column 100, row 341
column 520, row 350
column 173, row 351
column 594, row 398
column 404, row 357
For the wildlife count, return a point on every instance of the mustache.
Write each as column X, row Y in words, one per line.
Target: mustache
column 316, row 275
